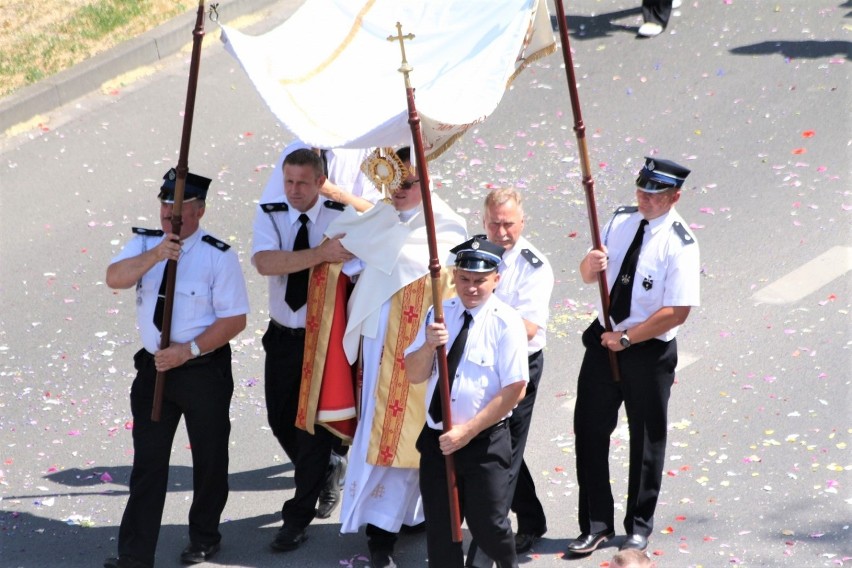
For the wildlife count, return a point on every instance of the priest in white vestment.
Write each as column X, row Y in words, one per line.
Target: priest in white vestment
column 392, row 294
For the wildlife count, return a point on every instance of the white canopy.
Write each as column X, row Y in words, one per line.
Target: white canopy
column 330, row 74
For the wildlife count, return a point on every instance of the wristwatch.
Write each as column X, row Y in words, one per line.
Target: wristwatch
column 194, row 348
column 625, row 341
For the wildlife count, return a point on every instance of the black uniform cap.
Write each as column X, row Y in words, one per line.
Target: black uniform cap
column 195, row 188
column 478, row 255
column 660, row 175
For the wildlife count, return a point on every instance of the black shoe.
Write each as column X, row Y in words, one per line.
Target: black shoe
column 525, row 541
column 635, row 542
column 381, row 559
column 288, row 539
column 329, row 499
column 587, row 543
column 342, row 462
column 198, row 553
column 124, row 562
column 413, row 529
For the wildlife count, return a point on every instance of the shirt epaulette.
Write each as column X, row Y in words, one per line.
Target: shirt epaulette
column 626, row 209
column 210, row 240
column 334, row 205
column 148, row 232
column 274, row 207
column 683, row 233
column 531, row 258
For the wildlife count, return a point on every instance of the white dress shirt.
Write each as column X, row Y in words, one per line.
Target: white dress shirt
column 274, row 231
column 668, row 272
column 495, row 356
column 526, row 283
column 209, row 285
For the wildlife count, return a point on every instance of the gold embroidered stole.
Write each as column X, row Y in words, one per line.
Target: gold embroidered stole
column 401, row 406
column 327, row 392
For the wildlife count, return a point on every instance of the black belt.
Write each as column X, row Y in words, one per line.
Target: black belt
column 493, row 428
column 291, row 331
column 633, row 346
column 485, row 433
column 195, row 361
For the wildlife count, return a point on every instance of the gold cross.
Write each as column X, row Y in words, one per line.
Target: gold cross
column 405, row 68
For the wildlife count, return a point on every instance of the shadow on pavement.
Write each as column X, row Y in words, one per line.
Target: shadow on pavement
column 180, row 479
column 807, row 49
column 50, row 542
column 597, row 26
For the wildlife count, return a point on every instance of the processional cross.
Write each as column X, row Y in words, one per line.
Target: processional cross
column 405, row 68
column 435, row 273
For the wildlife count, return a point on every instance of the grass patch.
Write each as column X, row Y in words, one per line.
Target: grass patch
column 98, row 20
column 90, row 29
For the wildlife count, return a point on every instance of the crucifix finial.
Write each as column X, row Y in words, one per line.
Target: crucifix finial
column 405, row 68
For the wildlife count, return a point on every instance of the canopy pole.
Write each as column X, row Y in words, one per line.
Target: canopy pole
column 177, row 219
column 435, row 273
column 588, row 182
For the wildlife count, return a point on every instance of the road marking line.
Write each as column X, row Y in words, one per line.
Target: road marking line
column 808, row 278
column 685, row 359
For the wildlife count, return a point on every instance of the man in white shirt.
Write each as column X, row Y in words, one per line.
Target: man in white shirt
column 279, row 227
column 526, row 283
column 652, row 263
column 210, row 307
column 488, row 372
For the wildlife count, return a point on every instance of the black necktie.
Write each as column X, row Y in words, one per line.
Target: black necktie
column 453, row 360
column 297, row 283
column 161, row 301
column 622, row 288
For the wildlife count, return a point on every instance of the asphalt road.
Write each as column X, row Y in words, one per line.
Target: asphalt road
column 753, row 96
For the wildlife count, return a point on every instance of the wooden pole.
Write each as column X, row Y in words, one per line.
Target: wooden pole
column 177, row 208
column 435, row 274
column 588, row 182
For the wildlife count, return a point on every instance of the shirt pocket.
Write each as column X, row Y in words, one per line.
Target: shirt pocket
column 483, row 359
column 147, row 287
column 192, row 299
column 647, row 290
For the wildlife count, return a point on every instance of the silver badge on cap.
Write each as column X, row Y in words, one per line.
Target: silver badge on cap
column 474, row 245
column 651, row 165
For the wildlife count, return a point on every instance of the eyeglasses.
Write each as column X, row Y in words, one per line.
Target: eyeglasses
column 408, row 184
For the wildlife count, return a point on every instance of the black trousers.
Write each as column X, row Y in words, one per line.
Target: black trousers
column 482, row 475
column 525, row 502
column 380, row 539
column 200, row 391
column 657, row 11
column 647, row 375
column 309, row 453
